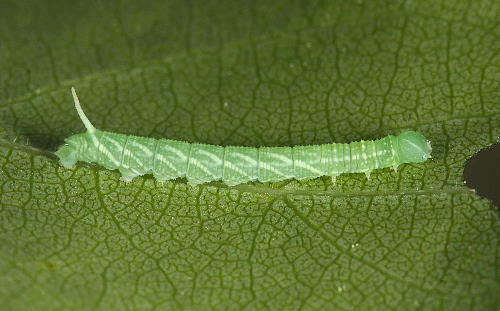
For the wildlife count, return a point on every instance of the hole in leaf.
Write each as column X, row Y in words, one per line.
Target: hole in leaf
column 482, row 173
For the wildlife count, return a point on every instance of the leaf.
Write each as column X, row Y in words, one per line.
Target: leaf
column 254, row 74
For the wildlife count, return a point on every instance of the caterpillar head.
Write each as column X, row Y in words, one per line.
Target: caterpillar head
column 413, row 147
column 68, row 153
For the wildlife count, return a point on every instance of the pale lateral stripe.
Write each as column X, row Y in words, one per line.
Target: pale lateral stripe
column 175, row 150
column 224, row 161
column 168, row 163
column 380, row 152
column 128, row 153
column 373, row 154
column 133, row 170
column 347, row 157
column 353, row 155
column 123, row 150
column 236, row 169
column 143, row 148
column 102, row 149
column 94, row 140
column 268, row 167
column 212, row 156
column 413, row 144
column 363, row 151
column 131, row 155
column 336, row 150
column 300, row 163
column 109, row 155
column 114, row 142
column 155, row 155
column 246, row 158
column 393, row 152
column 203, row 167
column 283, row 158
column 136, row 171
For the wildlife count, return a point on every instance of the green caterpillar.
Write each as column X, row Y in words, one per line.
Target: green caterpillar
column 200, row 163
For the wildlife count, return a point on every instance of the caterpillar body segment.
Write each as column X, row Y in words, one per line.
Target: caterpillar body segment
column 169, row 159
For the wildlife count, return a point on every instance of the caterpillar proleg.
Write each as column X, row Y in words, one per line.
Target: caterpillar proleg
column 169, row 159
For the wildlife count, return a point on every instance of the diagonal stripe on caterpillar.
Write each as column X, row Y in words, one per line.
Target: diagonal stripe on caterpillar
column 200, row 163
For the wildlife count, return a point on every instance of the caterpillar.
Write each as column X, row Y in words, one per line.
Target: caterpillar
column 200, row 163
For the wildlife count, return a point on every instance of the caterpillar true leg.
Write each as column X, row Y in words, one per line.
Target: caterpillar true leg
column 127, row 175
column 67, row 157
column 368, row 175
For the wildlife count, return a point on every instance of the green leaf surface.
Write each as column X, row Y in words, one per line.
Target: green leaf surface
column 252, row 73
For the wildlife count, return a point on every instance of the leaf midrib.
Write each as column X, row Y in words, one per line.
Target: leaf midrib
column 250, row 188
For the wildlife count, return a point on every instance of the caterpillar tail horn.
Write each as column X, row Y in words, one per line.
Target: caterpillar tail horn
column 81, row 114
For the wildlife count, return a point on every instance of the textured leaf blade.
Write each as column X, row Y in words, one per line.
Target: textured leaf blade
column 248, row 74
